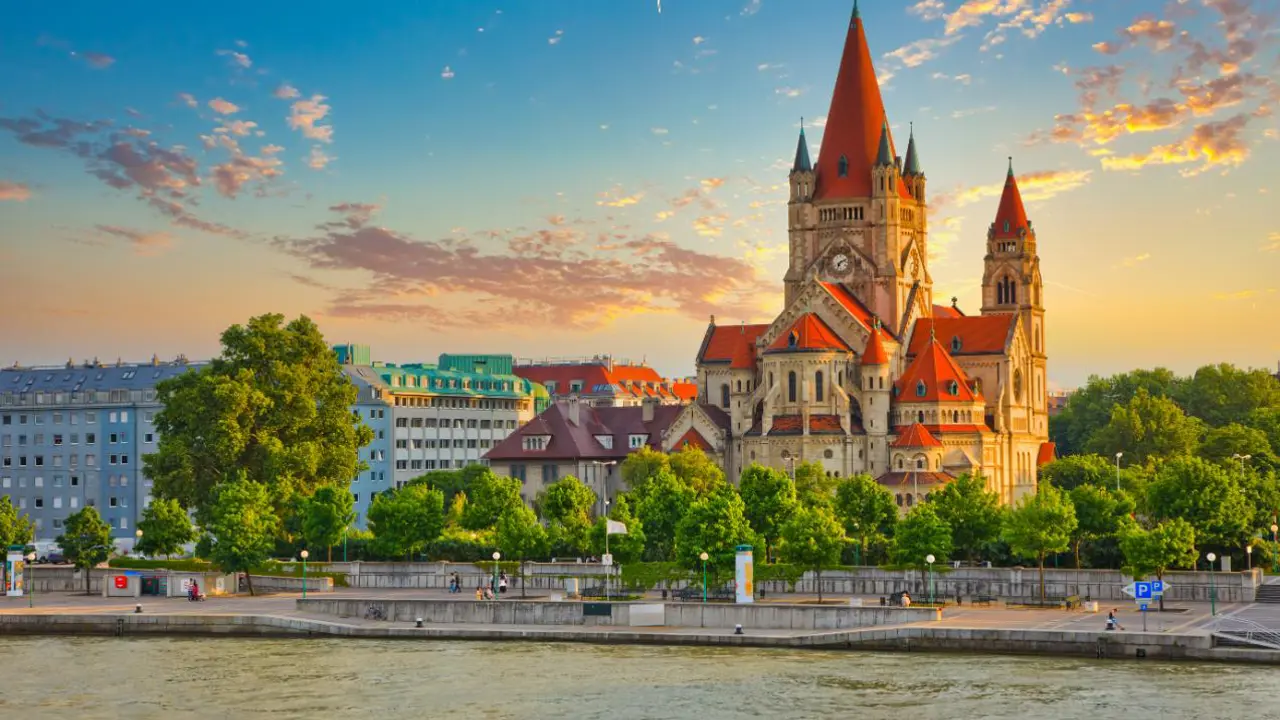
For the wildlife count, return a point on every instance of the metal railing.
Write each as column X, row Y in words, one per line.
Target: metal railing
column 1247, row 631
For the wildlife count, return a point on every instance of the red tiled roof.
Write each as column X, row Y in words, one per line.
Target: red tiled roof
column 686, row 392
column 571, row 441
column 947, row 311
column 636, row 373
column 825, row 424
column 854, row 123
column 598, row 378
column 734, row 345
column 783, row 424
column 1048, row 453
column 874, row 353
column 979, row 334
column 852, row 304
column 1011, row 218
column 940, row 375
column 956, row 429
column 809, row 333
column 908, row 479
column 694, row 438
column 916, row 436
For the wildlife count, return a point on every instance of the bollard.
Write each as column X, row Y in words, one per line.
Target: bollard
column 737, row 629
column 418, row 622
column 137, row 609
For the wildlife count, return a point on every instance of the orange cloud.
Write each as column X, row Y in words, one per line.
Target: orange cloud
column 1035, row 186
column 305, row 116
column 710, row 225
column 15, row 191
column 1213, row 145
column 615, row 199
column 143, row 243
column 223, row 107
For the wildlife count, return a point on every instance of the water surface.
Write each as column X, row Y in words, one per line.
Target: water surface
column 86, row 678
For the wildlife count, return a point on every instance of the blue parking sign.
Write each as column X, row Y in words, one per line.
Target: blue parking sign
column 1157, row 588
column 1142, row 591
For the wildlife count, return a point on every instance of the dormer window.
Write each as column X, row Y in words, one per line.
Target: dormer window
column 635, row 442
column 843, row 167
column 793, row 339
column 575, row 386
column 551, row 386
column 1006, row 226
column 953, row 387
column 606, row 441
column 921, row 389
column 956, row 344
column 536, row 442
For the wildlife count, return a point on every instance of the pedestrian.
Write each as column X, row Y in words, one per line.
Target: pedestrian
column 1112, row 622
column 502, row 582
column 479, row 592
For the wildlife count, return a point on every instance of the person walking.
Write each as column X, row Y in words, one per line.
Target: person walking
column 1112, row 622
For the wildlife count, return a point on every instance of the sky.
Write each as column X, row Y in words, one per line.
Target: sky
column 558, row 178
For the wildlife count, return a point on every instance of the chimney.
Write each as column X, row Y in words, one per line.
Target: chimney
column 573, row 412
column 646, row 409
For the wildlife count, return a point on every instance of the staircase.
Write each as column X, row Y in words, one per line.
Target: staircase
column 1269, row 593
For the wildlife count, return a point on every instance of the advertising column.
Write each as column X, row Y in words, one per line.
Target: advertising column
column 14, row 566
column 746, row 591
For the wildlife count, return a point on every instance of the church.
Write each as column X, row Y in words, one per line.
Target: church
column 862, row 372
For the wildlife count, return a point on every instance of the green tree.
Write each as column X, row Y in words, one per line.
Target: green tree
column 770, row 499
column 717, row 525
column 521, row 537
column 1100, row 513
column 867, row 510
column 85, row 541
column 488, row 497
column 1223, row 444
column 974, row 514
column 628, row 548
column 697, row 470
column 274, row 408
column 1147, row 428
column 814, row 486
column 641, row 466
column 1223, row 394
column 1042, row 523
column 566, row 506
column 165, row 527
column 661, row 505
column 405, row 521
column 812, row 538
column 1205, row 495
column 1268, row 421
column 1070, row 472
column 918, row 535
column 326, row 515
column 242, row 527
column 1089, row 409
column 15, row 528
column 451, row 482
column 1170, row 544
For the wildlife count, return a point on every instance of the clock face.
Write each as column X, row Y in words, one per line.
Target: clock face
column 840, row 263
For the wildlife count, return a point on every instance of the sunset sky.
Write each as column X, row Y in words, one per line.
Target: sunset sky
column 573, row 177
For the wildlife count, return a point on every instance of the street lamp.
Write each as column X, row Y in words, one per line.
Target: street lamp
column 1213, row 588
column 1243, row 459
column 703, row 557
column 1118, row 456
column 137, row 534
column 496, row 557
column 31, row 580
column 1248, row 553
column 857, row 546
column 1274, row 530
column 929, row 559
column 304, row 554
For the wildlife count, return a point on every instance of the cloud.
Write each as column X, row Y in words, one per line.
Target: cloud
column 616, row 199
column 710, row 225
column 240, row 128
column 751, row 8
column 917, row 53
column 929, row 9
column 555, row 39
column 285, row 91
column 14, row 191
column 237, row 59
column 790, row 92
column 962, row 78
column 1244, row 294
column 143, row 243
column 712, row 183
column 698, row 39
column 1212, row 145
column 505, row 279
column 664, row 215
column 970, row 112
column 223, row 107
column 1034, row 187
column 188, row 99
column 318, row 160
column 1026, row 17
column 447, row 73
column 659, row 131
column 1134, row 261
column 1273, row 243
column 230, row 177
column 97, row 60
column 305, row 116
column 1159, row 33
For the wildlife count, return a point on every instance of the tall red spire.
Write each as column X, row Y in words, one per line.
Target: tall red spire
column 854, row 123
column 1011, row 218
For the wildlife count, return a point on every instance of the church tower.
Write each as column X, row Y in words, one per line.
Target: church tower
column 857, row 216
column 1011, row 281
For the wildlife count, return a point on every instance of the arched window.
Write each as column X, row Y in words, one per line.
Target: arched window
column 953, row 387
column 921, row 389
column 739, row 386
column 920, row 417
column 724, row 395
column 1013, row 291
column 791, row 386
column 881, row 382
column 793, row 339
column 898, row 499
column 909, row 499
column 899, row 463
column 843, row 167
column 955, row 417
column 956, row 344
column 770, row 381
column 818, row 386
column 919, row 463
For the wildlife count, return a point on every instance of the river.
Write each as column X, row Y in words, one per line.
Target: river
column 85, row 678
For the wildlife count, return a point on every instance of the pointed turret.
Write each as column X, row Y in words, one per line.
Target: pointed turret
column 802, row 163
column 874, row 353
column 1011, row 218
column 855, row 123
column 912, row 165
column 884, row 157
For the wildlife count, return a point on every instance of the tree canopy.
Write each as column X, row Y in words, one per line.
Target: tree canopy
column 628, row 548
column 973, row 513
column 1170, row 544
column 520, row 537
column 770, row 500
column 566, row 506
column 85, row 540
column 716, row 525
column 1206, row 496
column 812, row 538
column 660, row 504
column 1149, row 427
column 326, row 515
column 165, row 527
column 697, row 470
column 488, row 497
column 918, row 535
column 1040, row 524
column 867, row 510
column 15, row 527
column 241, row 528
column 814, row 486
column 405, row 521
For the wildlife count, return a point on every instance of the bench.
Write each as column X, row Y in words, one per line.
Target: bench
column 1070, row 602
column 600, row 591
column 694, row 594
column 982, row 599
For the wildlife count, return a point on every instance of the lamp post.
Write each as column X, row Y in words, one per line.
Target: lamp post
column 31, row 579
column 137, row 535
column 1248, row 553
column 304, row 554
column 857, row 546
column 1274, row 530
column 929, row 559
column 496, row 557
column 703, row 557
column 1118, row 456
column 791, row 466
column 344, row 543
column 1213, row 588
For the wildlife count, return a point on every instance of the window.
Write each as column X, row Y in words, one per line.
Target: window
column 111, row 501
column 39, row 461
column 919, row 463
column 149, row 438
column 637, row 441
column 111, row 417
column 956, row 344
column 817, row 386
column 6, row 482
column 90, row 438
column 536, row 442
column 402, row 422
column 921, row 389
column 606, row 441
column 90, row 460
column 575, row 386
column 843, row 167
column 39, row 502
column 791, row 386
column 472, row 424
column 402, row 444
column 114, row 438
column 402, row 464
column 724, row 396
column 953, row 387
column 39, row 482
column 124, row 523
column 57, row 439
